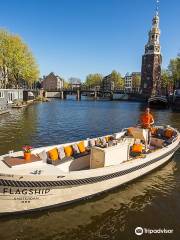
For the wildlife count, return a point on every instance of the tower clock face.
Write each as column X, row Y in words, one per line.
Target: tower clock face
column 157, row 49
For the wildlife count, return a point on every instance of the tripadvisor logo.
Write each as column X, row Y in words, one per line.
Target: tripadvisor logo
column 139, row 231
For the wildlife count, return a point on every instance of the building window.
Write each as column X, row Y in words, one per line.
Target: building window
column 10, row 97
column 1, row 94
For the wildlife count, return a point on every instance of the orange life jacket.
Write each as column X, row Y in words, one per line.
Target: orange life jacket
column 146, row 120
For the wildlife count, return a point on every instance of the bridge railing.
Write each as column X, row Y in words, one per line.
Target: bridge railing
column 90, row 89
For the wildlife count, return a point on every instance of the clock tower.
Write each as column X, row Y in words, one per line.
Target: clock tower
column 151, row 61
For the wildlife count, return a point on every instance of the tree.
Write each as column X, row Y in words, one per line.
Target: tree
column 136, row 82
column 174, row 70
column 66, row 84
column 118, row 80
column 16, row 61
column 165, row 78
column 93, row 80
column 166, row 81
column 38, row 84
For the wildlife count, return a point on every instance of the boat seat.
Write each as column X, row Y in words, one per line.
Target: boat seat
column 67, row 159
column 57, row 162
column 80, row 163
column 77, row 162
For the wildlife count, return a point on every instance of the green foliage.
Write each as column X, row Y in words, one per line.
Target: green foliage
column 16, row 61
column 136, row 83
column 174, row 71
column 93, row 80
column 171, row 76
column 117, row 79
column 66, row 84
column 165, row 78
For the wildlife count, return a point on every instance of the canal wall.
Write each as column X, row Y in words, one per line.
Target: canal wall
column 53, row 94
column 120, row 96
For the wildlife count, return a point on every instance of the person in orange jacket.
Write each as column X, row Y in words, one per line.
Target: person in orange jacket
column 146, row 119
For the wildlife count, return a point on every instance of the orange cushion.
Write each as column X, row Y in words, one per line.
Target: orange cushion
column 53, row 154
column 68, row 151
column 137, row 148
column 153, row 130
column 81, row 147
column 130, row 131
column 168, row 133
column 107, row 138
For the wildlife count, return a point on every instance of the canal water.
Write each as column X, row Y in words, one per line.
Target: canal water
column 150, row 202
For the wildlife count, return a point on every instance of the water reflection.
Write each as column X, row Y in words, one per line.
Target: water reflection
column 111, row 214
column 17, row 128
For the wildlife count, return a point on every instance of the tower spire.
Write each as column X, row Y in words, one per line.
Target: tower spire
column 157, row 7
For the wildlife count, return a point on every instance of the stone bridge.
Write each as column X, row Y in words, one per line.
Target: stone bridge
column 62, row 94
column 94, row 93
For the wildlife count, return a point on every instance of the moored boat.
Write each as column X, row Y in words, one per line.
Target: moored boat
column 61, row 174
column 158, row 102
column 4, row 111
column 19, row 106
column 176, row 100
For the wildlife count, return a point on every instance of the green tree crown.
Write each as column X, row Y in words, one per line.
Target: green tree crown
column 16, row 61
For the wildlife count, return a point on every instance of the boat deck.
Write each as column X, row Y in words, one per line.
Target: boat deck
column 14, row 164
column 41, row 168
column 32, row 168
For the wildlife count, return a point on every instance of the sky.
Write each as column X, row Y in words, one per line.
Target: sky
column 73, row 38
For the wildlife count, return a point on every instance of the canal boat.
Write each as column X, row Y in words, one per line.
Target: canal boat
column 82, row 169
column 158, row 102
column 19, row 106
column 176, row 100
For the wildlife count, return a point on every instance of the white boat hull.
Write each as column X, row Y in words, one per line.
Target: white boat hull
column 27, row 193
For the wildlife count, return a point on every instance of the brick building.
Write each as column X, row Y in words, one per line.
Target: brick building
column 107, row 83
column 52, row 82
